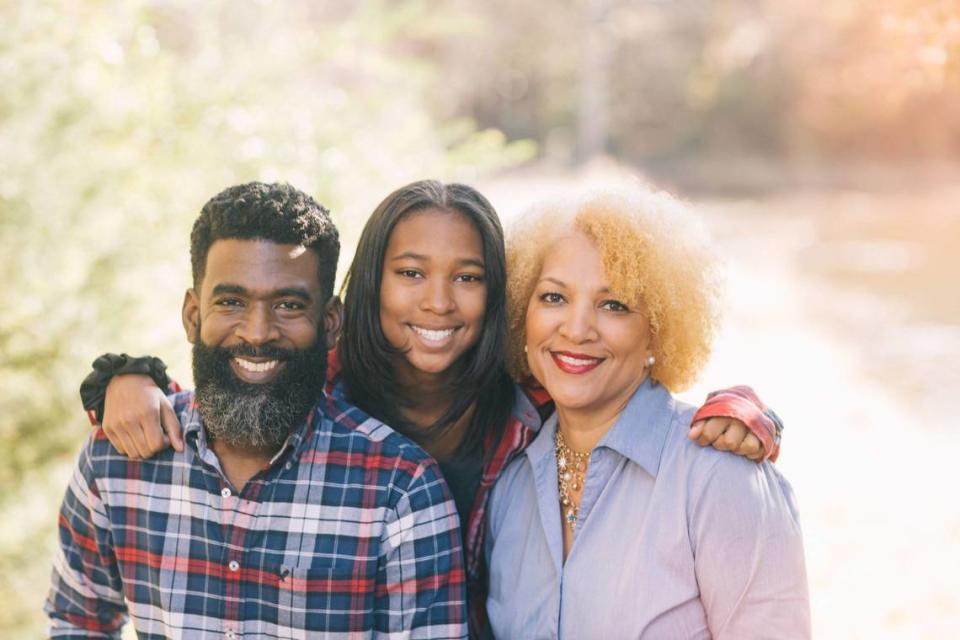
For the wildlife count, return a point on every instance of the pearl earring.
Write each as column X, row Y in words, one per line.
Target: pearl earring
column 524, row 348
column 650, row 361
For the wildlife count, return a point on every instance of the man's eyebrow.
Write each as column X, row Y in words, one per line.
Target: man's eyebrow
column 410, row 255
column 283, row 292
column 293, row 292
column 222, row 289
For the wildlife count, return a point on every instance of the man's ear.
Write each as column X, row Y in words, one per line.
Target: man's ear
column 191, row 315
column 332, row 320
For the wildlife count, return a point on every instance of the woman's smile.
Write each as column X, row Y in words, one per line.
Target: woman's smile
column 575, row 363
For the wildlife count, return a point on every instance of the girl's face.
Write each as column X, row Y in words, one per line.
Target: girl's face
column 433, row 292
column 586, row 347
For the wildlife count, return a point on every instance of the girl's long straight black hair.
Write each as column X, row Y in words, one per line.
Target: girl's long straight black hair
column 367, row 357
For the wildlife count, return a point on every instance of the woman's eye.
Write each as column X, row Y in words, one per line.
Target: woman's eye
column 551, row 297
column 409, row 273
column 614, row 305
column 469, row 277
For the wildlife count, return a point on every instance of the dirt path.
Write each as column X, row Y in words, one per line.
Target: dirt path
column 871, row 463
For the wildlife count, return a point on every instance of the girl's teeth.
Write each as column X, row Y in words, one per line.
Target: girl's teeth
column 433, row 335
column 255, row 367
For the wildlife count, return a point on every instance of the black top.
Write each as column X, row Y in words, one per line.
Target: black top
column 463, row 473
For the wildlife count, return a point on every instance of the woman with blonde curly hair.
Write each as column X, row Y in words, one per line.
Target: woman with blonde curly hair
column 612, row 523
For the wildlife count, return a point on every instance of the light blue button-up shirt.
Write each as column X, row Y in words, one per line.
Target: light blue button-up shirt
column 673, row 540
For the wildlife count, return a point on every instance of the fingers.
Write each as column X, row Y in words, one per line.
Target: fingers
column 171, row 426
column 121, row 439
column 132, row 417
column 695, row 430
column 153, row 435
column 709, row 430
column 751, row 447
column 732, row 437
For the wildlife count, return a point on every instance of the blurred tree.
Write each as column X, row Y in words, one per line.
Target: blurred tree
column 117, row 121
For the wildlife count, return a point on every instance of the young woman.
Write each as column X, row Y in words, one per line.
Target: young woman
column 423, row 349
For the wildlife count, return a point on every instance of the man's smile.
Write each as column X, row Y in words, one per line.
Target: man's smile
column 255, row 370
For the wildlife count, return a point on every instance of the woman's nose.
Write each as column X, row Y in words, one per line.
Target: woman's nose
column 579, row 324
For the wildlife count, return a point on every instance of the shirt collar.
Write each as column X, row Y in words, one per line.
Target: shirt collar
column 638, row 434
column 524, row 411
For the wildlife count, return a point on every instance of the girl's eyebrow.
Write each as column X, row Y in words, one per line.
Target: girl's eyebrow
column 410, row 255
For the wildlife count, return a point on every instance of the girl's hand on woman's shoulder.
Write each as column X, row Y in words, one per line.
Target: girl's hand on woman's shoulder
column 727, row 434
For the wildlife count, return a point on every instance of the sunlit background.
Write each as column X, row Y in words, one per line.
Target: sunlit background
column 819, row 140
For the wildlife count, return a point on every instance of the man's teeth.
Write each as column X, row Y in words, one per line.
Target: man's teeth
column 434, row 335
column 576, row 362
column 255, row 367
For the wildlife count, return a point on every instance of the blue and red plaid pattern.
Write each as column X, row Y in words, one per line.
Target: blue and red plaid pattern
column 348, row 531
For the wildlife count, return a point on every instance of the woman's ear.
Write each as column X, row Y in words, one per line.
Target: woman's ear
column 191, row 315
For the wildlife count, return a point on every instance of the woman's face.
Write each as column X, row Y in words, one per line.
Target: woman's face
column 587, row 348
column 433, row 293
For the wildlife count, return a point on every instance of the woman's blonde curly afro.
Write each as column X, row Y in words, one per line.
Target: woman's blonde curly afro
column 656, row 258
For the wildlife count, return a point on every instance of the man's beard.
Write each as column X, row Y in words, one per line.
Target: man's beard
column 260, row 416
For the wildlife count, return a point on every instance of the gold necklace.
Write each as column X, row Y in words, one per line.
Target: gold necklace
column 570, row 468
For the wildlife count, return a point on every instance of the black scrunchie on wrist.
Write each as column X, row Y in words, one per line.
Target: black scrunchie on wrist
column 93, row 389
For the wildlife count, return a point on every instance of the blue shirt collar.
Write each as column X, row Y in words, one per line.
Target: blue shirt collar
column 638, row 434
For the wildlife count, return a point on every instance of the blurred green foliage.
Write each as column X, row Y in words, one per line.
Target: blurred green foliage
column 117, row 122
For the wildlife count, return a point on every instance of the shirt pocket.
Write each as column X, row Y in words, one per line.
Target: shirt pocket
column 325, row 598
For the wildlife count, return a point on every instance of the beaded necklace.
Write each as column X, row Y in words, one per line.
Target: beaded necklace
column 570, row 468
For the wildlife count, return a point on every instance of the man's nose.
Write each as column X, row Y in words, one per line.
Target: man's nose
column 258, row 325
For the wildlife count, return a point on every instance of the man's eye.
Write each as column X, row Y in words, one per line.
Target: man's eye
column 291, row 306
column 614, row 305
column 229, row 302
column 551, row 297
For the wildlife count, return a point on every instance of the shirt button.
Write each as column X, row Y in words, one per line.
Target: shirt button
column 225, row 492
column 234, row 565
column 288, row 466
column 231, row 635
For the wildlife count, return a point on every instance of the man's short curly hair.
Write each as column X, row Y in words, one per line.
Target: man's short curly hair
column 656, row 259
column 275, row 212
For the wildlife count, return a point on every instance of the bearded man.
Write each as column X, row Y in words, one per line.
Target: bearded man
column 287, row 512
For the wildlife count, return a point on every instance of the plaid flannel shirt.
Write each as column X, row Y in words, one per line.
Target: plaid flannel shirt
column 348, row 531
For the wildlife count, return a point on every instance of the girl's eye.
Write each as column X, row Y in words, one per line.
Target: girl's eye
column 551, row 297
column 409, row 273
column 614, row 305
column 469, row 277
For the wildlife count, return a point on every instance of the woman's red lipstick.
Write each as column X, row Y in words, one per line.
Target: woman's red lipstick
column 575, row 363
